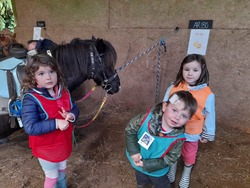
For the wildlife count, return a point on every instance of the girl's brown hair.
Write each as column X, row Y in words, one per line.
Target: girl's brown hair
column 204, row 77
column 33, row 65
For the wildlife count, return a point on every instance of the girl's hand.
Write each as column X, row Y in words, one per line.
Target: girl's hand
column 203, row 140
column 67, row 116
column 137, row 159
column 62, row 124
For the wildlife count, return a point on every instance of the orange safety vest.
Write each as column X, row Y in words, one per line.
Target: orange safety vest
column 195, row 124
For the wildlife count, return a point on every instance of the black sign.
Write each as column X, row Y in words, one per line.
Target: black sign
column 200, row 24
column 40, row 23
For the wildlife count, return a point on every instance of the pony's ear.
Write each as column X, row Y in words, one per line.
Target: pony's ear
column 93, row 38
column 100, row 46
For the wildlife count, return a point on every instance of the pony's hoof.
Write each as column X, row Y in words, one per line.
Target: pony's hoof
column 4, row 140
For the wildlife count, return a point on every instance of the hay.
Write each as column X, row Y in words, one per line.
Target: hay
column 98, row 160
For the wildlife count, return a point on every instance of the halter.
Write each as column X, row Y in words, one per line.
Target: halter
column 105, row 83
column 92, row 74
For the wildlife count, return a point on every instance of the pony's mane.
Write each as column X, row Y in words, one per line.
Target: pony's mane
column 70, row 57
column 74, row 56
column 104, row 48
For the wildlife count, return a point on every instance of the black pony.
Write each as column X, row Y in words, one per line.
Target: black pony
column 88, row 59
column 79, row 60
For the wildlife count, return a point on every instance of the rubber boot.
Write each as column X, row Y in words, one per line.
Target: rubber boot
column 50, row 182
column 185, row 178
column 172, row 172
column 62, row 182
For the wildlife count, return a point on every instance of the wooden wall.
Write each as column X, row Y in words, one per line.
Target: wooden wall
column 132, row 26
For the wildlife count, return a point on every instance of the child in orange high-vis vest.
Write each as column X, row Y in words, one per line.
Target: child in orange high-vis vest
column 193, row 76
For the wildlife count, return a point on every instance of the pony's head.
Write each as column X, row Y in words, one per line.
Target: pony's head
column 108, row 58
column 88, row 59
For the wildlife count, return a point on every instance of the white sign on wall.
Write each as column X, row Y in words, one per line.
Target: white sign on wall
column 198, row 41
column 37, row 33
column 199, row 36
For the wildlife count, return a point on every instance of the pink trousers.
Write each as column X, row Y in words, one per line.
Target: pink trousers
column 189, row 152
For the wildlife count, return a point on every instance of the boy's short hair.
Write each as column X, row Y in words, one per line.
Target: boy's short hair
column 188, row 99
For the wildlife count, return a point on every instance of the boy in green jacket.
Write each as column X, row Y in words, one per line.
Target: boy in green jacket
column 154, row 140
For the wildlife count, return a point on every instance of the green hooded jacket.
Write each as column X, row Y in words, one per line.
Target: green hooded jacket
column 132, row 145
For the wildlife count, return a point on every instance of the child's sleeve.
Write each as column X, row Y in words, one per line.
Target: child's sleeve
column 209, row 123
column 74, row 111
column 31, row 118
column 167, row 93
column 131, row 131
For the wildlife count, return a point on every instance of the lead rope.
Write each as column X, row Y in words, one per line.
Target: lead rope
column 97, row 113
column 87, row 95
column 133, row 60
column 161, row 43
column 74, row 142
column 110, row 79
column 159, row 71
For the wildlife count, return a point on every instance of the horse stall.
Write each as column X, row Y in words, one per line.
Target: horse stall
column 133, row 28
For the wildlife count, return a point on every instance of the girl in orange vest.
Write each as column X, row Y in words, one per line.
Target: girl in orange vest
column 47, row 116
column 193, row 76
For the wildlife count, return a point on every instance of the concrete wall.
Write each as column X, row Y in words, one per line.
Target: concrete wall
column 132, row 26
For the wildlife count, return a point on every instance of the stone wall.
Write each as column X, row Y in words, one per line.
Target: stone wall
column 132, row 26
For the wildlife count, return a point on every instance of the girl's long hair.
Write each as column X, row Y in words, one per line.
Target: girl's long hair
column 33, row 65
column 204, row 77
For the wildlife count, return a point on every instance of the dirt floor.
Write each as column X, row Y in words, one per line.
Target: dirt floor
column 98, row 159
